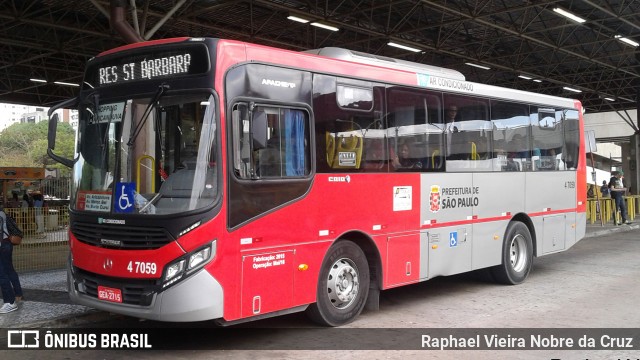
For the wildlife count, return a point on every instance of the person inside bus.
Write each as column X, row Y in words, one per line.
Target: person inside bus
column 551, row 153
column 519, row 147
column 374, row 155
column 518, row 151
column 511, row 164
column 403, row 159
column 450, row 117
column 450, row 128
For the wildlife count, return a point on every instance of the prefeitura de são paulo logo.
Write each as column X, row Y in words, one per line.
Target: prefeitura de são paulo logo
column 434, row 199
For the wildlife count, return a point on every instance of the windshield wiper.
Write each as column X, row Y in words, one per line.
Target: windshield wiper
column 145, row 115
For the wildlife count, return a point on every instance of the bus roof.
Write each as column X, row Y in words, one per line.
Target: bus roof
column 354, row 65
column 370, row 59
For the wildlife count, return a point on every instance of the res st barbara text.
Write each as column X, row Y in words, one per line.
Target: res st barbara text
column 146, row 69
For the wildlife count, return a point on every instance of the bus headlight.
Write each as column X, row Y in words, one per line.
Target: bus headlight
column 199, row 257
column 174, row 270
column 188, row 264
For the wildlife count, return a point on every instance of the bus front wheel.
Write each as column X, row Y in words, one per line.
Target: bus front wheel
column 517, row 255
column 343, row 285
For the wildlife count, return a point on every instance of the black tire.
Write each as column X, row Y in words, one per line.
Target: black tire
column 340, row 302
column 517, row 255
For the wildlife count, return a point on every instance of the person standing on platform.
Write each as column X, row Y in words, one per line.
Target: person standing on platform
column 9, row 281
column 604, row 189
column 617, row 191
column 38, row 203
column 14, row 202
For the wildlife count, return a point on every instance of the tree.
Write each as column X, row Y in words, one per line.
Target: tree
column 25, row 145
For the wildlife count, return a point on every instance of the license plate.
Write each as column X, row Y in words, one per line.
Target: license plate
column 109, row 294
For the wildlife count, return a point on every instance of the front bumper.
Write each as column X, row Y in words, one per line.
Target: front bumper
column 197, row 298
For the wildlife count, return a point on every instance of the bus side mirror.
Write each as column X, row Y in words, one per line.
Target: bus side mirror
column 259, row 130
column 53, row 127
column 51, row 139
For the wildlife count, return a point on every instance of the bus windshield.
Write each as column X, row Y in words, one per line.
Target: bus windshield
column 150, row 156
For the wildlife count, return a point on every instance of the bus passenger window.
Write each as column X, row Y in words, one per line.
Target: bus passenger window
column 286, row 153
column 548, row 140
column 511, row 141
column 415, row 130
column 468, row 133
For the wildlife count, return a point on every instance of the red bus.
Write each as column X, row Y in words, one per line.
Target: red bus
column 217, row 179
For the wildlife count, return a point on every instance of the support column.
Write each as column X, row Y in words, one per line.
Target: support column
column 630, row 164
column 119, row 23
column 634, row 151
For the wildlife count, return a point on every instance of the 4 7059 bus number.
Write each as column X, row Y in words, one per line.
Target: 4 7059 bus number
column 141, row 267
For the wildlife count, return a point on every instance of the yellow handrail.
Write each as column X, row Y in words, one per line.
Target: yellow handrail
column 153, row 171
column 433, row 158
column 631, row 206
column 474, row 151
column 608, row 209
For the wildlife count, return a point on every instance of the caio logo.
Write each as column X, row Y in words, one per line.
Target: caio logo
column 345, row 179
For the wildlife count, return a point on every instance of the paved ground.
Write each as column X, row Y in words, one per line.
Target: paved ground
column 47, row 303
column 445, row 303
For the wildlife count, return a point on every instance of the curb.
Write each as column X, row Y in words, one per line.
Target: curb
column 92, row 316
column 610, row 230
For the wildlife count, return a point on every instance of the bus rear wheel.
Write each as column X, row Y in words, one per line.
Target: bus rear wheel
column 343, row 285
column 517, row 255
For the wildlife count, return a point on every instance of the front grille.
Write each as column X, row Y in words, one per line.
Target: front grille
column 134, row 291
column 121, row 237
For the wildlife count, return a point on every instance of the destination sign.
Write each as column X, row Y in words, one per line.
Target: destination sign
column 164, row 64
column 146, row 69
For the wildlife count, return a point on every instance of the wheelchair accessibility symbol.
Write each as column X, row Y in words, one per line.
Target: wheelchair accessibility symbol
column 453, row 239
column 124, row 198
